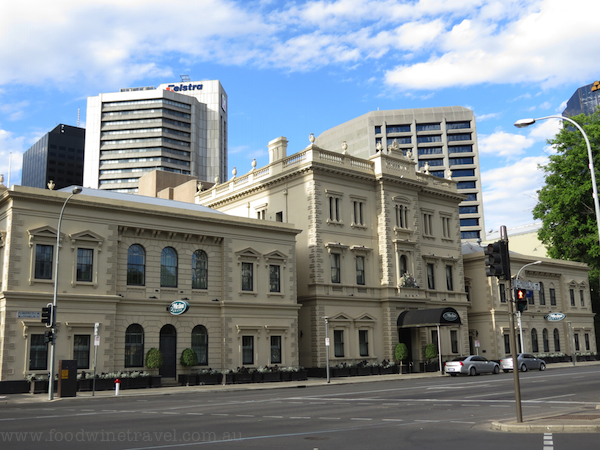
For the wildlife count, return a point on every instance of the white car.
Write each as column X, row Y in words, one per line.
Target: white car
column 471, row 365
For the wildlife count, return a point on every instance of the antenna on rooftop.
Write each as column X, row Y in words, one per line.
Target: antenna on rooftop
column 185, row 78
column 78, row 109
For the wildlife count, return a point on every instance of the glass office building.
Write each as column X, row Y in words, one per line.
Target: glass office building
column 583, row 101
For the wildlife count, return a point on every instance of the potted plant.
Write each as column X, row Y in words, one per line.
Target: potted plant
column 299, row 374
column 242, row 375
column 430, row 353
column 363, row 368
column 154, row 360
column 189, row 358
column 401, row 354
column 388, row 367
column 209, row 376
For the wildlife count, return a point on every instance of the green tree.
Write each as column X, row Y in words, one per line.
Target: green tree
column 565, row 203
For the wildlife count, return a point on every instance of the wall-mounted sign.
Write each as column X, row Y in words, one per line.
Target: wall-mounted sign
column 179, row 307
column 529, row 285
column 450, row 316
column 29, row 315
column 184, row 87
column 555, row 317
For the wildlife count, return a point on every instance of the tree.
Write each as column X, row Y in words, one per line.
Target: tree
column 565, row 203
column 154, row 359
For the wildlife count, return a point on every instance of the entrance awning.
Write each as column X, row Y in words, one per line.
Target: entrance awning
column 429, row 318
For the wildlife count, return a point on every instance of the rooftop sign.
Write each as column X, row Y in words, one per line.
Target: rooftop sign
column 184, row 87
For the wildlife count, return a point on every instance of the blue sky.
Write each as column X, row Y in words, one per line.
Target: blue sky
column 295, row 68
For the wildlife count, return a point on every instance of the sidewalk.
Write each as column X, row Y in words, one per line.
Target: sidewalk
column 580, row 420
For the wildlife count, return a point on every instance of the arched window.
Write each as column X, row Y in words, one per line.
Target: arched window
column 134, row 346
column 168, row 267
column 136, row 265
column 199, row 270
column 534, row 341
column 200, row 344
column 556, row 340
column 545, row 339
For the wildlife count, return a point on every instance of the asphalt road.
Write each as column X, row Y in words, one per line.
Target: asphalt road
column 430, row 413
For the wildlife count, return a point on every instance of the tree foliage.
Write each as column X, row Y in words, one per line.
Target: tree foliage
column 565, row 203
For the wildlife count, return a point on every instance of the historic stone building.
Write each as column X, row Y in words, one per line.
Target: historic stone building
column 380, row 240
column 124, row 260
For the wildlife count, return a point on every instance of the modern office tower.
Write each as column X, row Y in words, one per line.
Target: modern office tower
column 177, row 127
column 585, row 100
column 437, row 139
column 56, row 157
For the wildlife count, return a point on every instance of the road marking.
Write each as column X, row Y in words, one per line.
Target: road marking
column 428, row 421
column 219, row 414
column 360, row 418
column 329, row 418
column 195, row 414
column 168, row 412
column 273, row 417
column 392, row 420
column 297, row 417
column 244, row 415
column 548, row 442
column 547, row 398
column 458, row 421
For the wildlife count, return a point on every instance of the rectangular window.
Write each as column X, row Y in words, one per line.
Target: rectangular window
column 363, row 342
column 401, row 216
column 338, row 343
column 576, row 342
column 467, row 210
column 465, row 185
column 446, row 227
column 581, row 298
column 542, row 295
column 279, row 216
column 502, row 293
column 274, row 278
column 572, row 296
column 81, row 350
column 428, row 127
column 457, row 125
column 430, row 276
column 587, row 341
column 430, row 151
column 459, row 137
column 276, row 350
column 360, row 270
column 428, row 224
column 460, row 149
column 454, row 340
column 449, row 282
column 530, row 298
column 43, row 261
column 38, row 353
column 334, row 260
column 358, row 212
column 425, row 139
column 247, row 276
column 552, row 297
column 247, row 350
column 399, row 140
column 467, row 291
column 460, row 161
column 85, row 258
column 334, row 209
column 396, row 129
column 507, row 344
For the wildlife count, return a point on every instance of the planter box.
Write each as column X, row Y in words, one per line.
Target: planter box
column 209, row 379
column 301, row 375
column 363, row 371
column 38, row 387
column 336, row 372
column 155, row 381
column 187, row 379
column 241, row 378
column 136, row 383
column 85, row 385
column 271, row 377
column 287, row 376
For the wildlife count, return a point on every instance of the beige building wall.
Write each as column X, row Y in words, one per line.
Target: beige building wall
column 347, row 208
column 108, row 224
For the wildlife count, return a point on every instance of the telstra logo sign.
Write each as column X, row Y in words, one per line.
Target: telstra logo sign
column 184, row 87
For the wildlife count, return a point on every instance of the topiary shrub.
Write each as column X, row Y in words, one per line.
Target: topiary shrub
column 154, row 359
column 431, row 351
column 188, row 358
column 401, row 352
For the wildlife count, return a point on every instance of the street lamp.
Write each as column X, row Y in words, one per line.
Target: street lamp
column 76, row 190
column 526, row 122
column 519, row 312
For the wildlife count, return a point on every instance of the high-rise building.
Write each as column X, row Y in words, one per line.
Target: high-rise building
column 177, row 127
column 56, row 157
column 442, row 141
column 585, row 100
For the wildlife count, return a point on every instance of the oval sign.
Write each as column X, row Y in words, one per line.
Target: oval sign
column 555, row 317
column 450, row 316
column 179, row 307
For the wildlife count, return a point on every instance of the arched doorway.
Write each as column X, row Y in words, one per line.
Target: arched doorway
column 168, row 348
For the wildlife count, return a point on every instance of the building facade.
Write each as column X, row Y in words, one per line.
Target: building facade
column 58, row 157
column 558, row 321
column 585, row 100
column 124, row 259
column 177, row 127
column 437, row 139
column 380, row 240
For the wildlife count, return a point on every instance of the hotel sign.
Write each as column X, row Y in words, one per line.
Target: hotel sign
column 178, row 307
column 555, row 317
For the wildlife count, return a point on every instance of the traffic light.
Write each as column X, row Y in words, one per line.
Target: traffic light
column 496, row 260
column 47, row 317
column 521, row 299
column 48, row 337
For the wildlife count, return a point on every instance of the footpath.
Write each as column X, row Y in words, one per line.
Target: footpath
column 577, row 420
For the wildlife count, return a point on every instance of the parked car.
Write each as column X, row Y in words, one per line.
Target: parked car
column 525, row 362
column 471, row 365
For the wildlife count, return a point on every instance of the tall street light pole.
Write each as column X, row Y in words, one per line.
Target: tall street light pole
column 526, row 122
column 76, row 190
column 520, row 314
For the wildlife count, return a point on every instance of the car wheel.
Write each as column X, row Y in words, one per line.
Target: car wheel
column 505, row 370
column 472, row 372
column 496, row 370
column 452, row 374
column 523, row 368
column 542, row 366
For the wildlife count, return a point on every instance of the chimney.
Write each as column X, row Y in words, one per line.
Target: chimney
column 277, row 149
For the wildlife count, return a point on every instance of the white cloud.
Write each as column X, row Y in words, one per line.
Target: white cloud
column 504, row 144
column 510, row 192
column 483, row 117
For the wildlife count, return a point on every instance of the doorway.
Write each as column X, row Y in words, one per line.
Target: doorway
column 168, row 348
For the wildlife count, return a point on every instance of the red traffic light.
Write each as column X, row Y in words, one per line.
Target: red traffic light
column 521, row 294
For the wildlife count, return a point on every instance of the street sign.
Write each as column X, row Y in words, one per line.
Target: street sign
column 96, row 341
column 477, row 344
column 327, row 342
column 529, row 285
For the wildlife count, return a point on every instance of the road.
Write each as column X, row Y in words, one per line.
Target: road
column 428, row 413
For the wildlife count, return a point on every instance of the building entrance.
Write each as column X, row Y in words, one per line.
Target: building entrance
column 168, row 348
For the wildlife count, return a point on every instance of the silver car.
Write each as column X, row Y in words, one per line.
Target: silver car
column 525, row 362
column 471, row 365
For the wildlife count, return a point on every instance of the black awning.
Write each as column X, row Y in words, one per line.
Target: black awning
column 429, row 318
